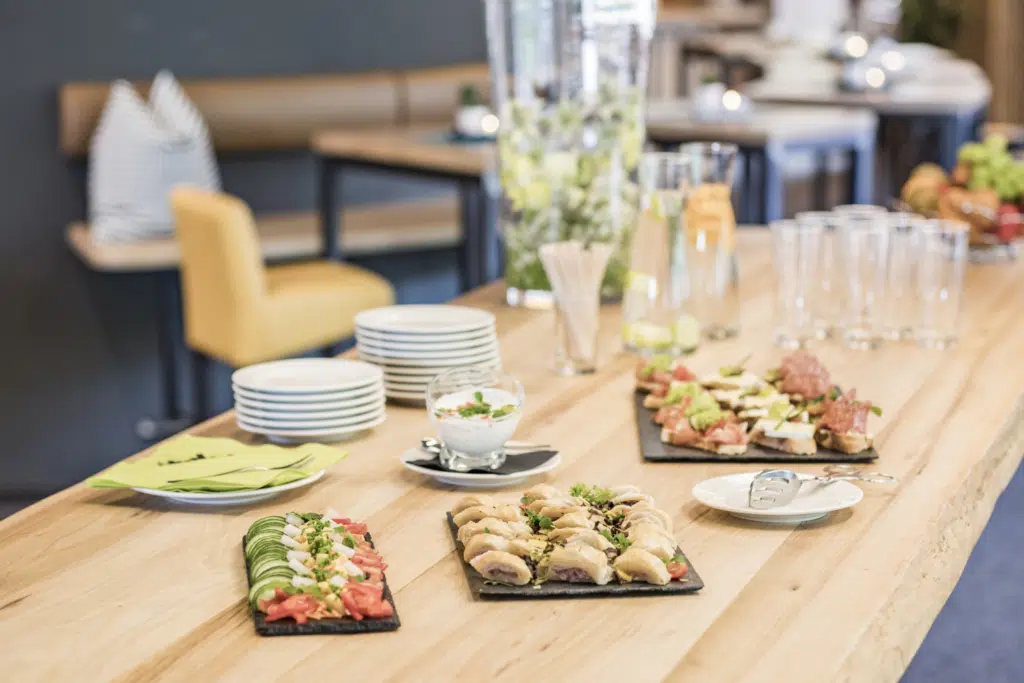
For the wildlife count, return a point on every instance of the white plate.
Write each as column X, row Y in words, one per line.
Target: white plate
column 231, row 497
column 354, row 396
column 306, row 376
column 483, row 481
column 403, row 374
column 284, row 409
column 405, row 385
column 414, row 342
column 424, row 319
column 418, row 397
column 291, row 435
column 366, row 412
column 332, row 425
column 439, row 354
column 440, row 364
column 730, row 494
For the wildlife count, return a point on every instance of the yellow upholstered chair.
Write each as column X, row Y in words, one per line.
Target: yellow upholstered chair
column 241, row 312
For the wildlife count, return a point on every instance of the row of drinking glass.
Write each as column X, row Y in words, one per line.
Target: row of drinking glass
column 864, row 275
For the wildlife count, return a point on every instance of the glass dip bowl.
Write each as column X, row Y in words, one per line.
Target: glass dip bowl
column 476, row 410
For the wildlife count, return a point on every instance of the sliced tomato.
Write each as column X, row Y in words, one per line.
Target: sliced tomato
column 683, row 374
column 349, row 601
column 357, row 528
column 298, row 607
column 677, row 570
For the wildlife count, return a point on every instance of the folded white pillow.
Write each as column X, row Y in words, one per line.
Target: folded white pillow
column 138, row 153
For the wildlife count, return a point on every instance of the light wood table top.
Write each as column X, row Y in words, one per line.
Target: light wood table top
column 107, row 585
column 669, row 120
column 689, row 19
column 427, row 148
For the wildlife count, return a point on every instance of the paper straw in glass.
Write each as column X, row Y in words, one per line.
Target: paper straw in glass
column 942, row 259
column 653, row 315
column 796, row 256
column 900, row 287
column 710, row 226
column 826, row 303
column 864, row 244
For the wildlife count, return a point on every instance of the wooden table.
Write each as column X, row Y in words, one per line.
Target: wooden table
column 419, row 152
column 114, row 586
column 766, row 136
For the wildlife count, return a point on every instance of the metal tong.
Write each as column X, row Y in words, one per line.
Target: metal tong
column 775, row 488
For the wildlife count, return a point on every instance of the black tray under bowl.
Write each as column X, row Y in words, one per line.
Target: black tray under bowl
column 560, row 589
column 655, row 450
column 288, row 627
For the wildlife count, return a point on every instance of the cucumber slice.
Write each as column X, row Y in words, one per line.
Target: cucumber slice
column 265, row 585
column 261, row 545
column 264, row 566
column 274, row 519
column 265, row 532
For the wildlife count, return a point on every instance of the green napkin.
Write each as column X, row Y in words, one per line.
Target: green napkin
column 197, row 463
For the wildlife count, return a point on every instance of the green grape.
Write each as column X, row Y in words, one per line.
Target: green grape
column 972, row 153
column 996, row 142
column 981, row 178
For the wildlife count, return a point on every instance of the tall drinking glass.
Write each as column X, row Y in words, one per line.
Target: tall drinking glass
column 796, row 255
column 654, row 317
column 942, row 259
column 901, row 287
column 710, row 227
column 826, row 304
column 864, row 244
column 568, row 81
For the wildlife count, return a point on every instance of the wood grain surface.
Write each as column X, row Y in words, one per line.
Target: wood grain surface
column 108, row 585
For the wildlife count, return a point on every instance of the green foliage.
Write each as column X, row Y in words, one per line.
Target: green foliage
column 931, row 21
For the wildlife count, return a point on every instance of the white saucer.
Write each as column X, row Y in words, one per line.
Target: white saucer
column 306, row 376
column 440, row 353
column 394, row 343
column 482, row 481
column 352, row 397
column 730, row 494
column 355, row 405
column 231, row 497
column 440, row 364
column 292, row 435
column 424, row 319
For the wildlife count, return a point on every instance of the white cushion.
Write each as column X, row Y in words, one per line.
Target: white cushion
column 138, row 153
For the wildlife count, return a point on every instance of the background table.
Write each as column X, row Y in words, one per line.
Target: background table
column 124, row 587
column 767, row 136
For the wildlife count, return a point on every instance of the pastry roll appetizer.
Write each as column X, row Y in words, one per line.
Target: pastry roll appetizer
column 637, row 564
column 578, row 519
column 653, row 539
column 503, row 567
column 555, row 512
column 542, row 492
column 578, row 564
column 471, row 501
column 475, row 514
column 491, row 525
column 482, row 543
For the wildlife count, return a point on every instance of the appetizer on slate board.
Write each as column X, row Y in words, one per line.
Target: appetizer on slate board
column 794, row 409
column 588, row 541
column 312, row 573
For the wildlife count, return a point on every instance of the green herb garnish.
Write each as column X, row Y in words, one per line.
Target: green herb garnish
column 734, row 370
column 595, row 495
column 526, row 500
column 619, row 540
column 877, row 410
column 678, row 558
column 538, row 521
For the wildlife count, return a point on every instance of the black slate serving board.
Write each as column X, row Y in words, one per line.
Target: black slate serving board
column 325, row 626
column 654, row 449
column 560, row 589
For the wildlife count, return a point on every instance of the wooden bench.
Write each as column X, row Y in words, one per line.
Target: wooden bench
column 268, row 115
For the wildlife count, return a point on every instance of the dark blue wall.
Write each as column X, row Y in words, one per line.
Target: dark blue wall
column 77, row 349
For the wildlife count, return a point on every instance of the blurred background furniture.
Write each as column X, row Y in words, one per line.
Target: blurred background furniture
column 270, row 115
column 766, row 136
column 241, row 312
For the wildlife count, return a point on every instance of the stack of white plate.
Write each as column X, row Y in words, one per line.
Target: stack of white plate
column 309, row 399
column 413, row 344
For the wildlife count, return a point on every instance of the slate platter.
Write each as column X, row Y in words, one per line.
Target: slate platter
column 654, row 450
column 325, row 626
column 561, row 589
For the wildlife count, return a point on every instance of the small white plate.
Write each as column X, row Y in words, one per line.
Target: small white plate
column 284, row 409
column 423, row 341
column 231, row 497
column 731, row 492
column 392, row 372
column 417, row 396
column 331, row 425
column 343, row 419
column 292, row 435
column 487, row 356
column 354, row 396
column 424, row 319
column 439, row 354
column 306, row 376
column 482, row 481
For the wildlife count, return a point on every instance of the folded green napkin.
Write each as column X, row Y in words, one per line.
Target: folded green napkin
column 197, row 463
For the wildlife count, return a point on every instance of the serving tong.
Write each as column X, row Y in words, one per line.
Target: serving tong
column 778, row 487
